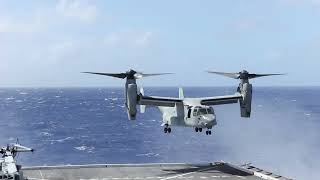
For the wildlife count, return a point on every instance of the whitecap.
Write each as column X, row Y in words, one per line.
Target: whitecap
column 62, row 140
column 84, row 148
column 10, row 98
column 260, row 105
column 39, row 123
column 45, row 134
column 148, row 155
column 18, row 101
column 81, row 148
column 23, row 93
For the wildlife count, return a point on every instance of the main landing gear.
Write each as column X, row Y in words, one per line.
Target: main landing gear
column 208, row 132
column 167, row 129
column 198, row 129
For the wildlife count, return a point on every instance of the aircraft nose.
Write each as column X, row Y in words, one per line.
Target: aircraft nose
column 209, row 117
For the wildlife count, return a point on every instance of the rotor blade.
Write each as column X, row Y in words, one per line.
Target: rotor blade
column 20, row 148
column 156, row 74
column 251, row 76
column 141, row 75
column 116, row 75
column 230, row 75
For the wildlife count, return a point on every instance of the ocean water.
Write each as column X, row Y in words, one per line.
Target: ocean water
column 90, row 125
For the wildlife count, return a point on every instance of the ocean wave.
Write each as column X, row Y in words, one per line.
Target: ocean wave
column 62, row 140
column 148, row 155
column 85, row 148
column 45, row 134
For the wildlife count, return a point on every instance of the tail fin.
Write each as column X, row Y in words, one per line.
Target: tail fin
column 181, row 94
column 142, row 107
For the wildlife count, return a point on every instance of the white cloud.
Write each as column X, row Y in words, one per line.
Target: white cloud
column 144, row 38
column 299, row 2
column 12, row 25
column 129, row 39
column 245, row 24
column 77, row 9
column 43, row 18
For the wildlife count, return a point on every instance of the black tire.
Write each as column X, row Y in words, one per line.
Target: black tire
column 200, row 129
column 209, row 132
column 165, row 130
column 169, row 130
column 196, row 129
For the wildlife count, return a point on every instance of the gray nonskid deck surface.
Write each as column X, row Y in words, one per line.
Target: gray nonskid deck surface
column 137, row 172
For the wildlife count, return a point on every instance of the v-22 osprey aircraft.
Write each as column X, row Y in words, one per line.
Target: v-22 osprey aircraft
column 182, row 111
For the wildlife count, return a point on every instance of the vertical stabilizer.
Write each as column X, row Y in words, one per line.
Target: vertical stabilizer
column 181, row 95
column 142, row 107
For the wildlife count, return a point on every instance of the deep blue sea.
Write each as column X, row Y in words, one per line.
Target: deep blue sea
column 90, row 125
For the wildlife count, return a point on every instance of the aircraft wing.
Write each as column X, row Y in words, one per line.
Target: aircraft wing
column 158, row 101
column 218, row 100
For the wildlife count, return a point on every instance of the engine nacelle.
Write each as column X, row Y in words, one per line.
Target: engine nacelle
column 245, row 103
column 132, row 101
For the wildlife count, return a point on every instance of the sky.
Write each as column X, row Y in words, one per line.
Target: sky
column 48, row 43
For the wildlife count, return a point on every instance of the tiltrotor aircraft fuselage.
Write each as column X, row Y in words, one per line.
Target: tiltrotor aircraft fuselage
column 181, row 111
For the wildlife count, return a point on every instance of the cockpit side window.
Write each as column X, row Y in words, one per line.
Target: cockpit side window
column 210, row 111
column 195, row 112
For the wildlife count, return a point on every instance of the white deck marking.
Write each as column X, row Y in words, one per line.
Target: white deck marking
column 241, row 177
column 180, row 175
column 41, row 174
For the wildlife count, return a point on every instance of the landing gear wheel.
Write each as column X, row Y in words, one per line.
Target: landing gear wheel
column 196, row 129
column 165, row 130
column 209, row 132
column 169, row 130
column 200, row 129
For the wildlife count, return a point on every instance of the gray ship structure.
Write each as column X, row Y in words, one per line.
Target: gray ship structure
column 218, row 170
column 214, row 171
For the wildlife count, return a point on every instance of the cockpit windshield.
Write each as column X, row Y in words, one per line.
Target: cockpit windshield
column 202, row 111
column 210, row 111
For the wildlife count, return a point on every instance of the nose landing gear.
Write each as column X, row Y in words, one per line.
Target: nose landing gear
column 167, row 129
